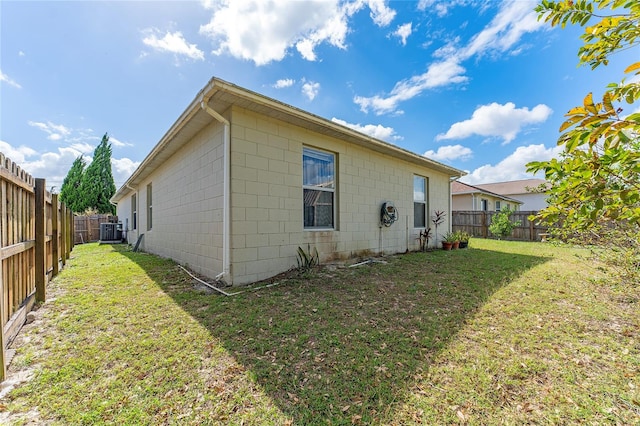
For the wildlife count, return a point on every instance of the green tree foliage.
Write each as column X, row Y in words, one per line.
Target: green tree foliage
column 501, row 225
column 595, row 183
column 70, row 193
column 97, row 183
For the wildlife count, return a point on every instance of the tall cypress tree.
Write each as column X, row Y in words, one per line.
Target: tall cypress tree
column 97, row 183
column 70, row 193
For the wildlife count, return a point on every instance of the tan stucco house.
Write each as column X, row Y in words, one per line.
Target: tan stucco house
column 240, row 181
column 466, row 197
column 527, row 191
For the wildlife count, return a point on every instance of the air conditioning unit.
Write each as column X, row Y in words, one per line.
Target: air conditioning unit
column 110, row 232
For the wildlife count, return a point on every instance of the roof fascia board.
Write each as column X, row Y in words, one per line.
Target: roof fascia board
column 323, row 122
column 216, row 84
column 482, row 191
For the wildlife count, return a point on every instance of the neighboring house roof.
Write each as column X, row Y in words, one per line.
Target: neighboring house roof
column 524, row 186
column 219, row 95
column 460, row 188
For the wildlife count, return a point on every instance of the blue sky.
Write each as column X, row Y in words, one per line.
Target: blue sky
column 479, row 85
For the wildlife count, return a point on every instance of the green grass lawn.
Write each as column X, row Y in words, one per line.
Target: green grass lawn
column 501, row 333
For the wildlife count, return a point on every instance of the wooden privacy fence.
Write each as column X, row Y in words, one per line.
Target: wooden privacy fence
column 87, row 228
column 476, row 223
column 35, row 237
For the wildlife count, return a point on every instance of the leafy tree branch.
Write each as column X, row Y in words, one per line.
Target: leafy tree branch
column 595, row 182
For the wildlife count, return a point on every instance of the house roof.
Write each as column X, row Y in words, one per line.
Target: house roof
column 512, row 187
column 461, row 188
column 219, row 95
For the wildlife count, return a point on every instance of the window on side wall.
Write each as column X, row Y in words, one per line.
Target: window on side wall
column 420, row 202
column 485, row 205
column 498, row 206
column 319, row 189
column 134, row 212
column 149, row 207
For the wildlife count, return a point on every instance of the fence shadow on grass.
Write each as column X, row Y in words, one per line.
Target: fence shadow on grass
column 347, row 345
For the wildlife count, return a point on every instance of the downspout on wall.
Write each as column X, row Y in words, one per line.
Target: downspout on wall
column 451, row 180
column 135, row 192
column 225, row 275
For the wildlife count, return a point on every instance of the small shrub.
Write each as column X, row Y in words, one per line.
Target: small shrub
column 424, row 238
column 501, row 226
column 307, row 259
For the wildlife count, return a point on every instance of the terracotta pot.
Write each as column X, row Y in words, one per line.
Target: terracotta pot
column 446, row 245
column 456, row 244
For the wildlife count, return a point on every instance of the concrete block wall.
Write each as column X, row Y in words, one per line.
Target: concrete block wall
column 267, row 206
column 187, row 204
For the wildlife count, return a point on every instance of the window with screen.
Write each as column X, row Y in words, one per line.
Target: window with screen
column 319, row 189
column 419, row 202
column 149, row 207
column 134, row 212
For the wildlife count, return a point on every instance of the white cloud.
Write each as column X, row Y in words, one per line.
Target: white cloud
column 173, row 42
column 497, row 120
column 439, row 74
column 381, row 14
column 424, row 4
column 21, row 53
column 281, row 84
column 513, row 20
column 449, row 153
column 440, row 8
column 122, row 168
column 55, row 131
column 17, row 155
column 264, row 31
column 512, row 167
column 403, row 31
column 310, row 89
column 5, row 78
column 118, row 143
column 54, row 166
column 377, row 131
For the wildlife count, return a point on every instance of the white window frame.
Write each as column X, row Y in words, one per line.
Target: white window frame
column 149, row 207
column 134, row 211
column 498, row 206
column 424, row 201
column 332, row 190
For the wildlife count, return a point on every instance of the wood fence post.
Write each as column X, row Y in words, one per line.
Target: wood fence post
column 3, row 362
column 71, row 231
column 484, row 225
column 3, row 239
column 63, row 231
column 532, row 235
column 55, row 242
column 72, row 220
column 40, row 261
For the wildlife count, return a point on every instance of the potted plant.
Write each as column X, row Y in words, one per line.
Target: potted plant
column 463, row 237
column 449, row 241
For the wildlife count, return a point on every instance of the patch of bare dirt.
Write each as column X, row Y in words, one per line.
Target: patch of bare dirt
column 29, row 351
